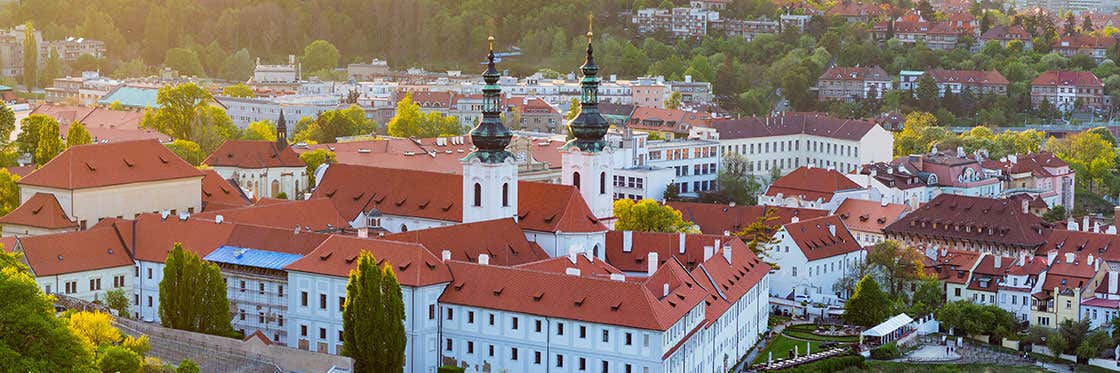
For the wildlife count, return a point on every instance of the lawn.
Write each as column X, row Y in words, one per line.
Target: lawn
column 781, row 346
column 807, row 332
column 775, row 320
column 893, row 367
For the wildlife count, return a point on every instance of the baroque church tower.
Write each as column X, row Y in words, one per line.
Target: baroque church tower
column 587, row 160
column 490, row 171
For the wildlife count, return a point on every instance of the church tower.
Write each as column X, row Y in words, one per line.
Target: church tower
column 490, row 172
column 586, row 160
column 281, row 132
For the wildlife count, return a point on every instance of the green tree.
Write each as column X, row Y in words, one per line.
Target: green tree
column 411, row 122
column 373, row 317
column 927, row 93
column 116, row 106
column 179, row 108
column 320, row 55
column 33, row 339
column 919, row 133
column 865, row 307
column 238, row 66
column 140, row 346
column 1055, row 214
column 192, row 295
column 315, row 158
column 1094, row 343
column 212, row 127
column 50, row 144
column 573, row 109
column 95, row 328
column 333, row 124
column 7, row 122
column 30, row 128
column 759, row 235
column 9, row 191
column 1057, row 344
column 30, row 58
column 898, row 265
column 53, row 69
column 1091, row 156
column 188, row 366
column 238, row 90
column 260, row 130
column 928, row 297
column 187, row 150
column 736, row 180
column 185, row 61
column 119, row 360
column 674, row 101
column 116, row 300
column 77, row 135
column 648, row 216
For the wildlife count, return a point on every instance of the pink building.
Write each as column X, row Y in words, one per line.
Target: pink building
column 1039, row 175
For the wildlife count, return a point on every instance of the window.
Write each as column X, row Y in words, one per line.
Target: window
column 450, row 345
column 149, row 273
column 957, row 292
column 260, row 288
column 491, row 350
column 280, row 290
column 582, row 364
column 582, row 331
column 477, row 194
column 628, row 368
column 606, row 366
column 118, row 281
column 602, row 183
column 559, row 328
column 470, row 317
column 95, row 284
column 341, row 303
column 537, row 357
column 71, row 287
column 513, row 354
column 491, row 319
column 431, row 312
column 303, row 330
column 629, row 339
column 575, row 179
column 322, row 301
column 450, row 314
column 242, row 286
column 149, row 301
column 505, row 195
column 537, row 324
column 606, row 335
column 303, row 298
column 470, row 347
column 515, row 326
column 559, row 361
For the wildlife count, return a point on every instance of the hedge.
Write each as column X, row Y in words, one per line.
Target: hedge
column 450, row 369
column 834, row 364
column 886, row 352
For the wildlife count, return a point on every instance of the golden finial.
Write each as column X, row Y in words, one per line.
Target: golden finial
column 590, row 21
column 491, row 39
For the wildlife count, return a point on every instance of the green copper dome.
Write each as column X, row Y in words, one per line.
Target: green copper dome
column 589, row 128
column 490, row 137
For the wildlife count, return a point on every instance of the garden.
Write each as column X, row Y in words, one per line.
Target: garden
column 796, row 337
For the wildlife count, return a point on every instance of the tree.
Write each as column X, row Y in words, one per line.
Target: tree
column 117, row 301
column 759, row 235
column 116, row 106
column 1086, row 24
column 315, row 158
column 1057, row 344
column 187, row 150
column 9, row 192
column 320, row 55
column 927, row 93
column 1070, row 26
column 919, row 133
column 95, row 328
column 7, row 122
column 185, row 61
column 411, row 122
column 1091, row 156
column 1056, row 213
column 77, row 135
column 50, row 144
column 648, row 216
column 179, row 108
column 119, row 359
column 898, row 265
column 573, row 109
column 53, row 69
column 846, row 285
column 192, row 295
column 865, row 307
column 373, row 317
column 212, row 127
column 1094, row 343
column 238, row 66
column 238, row 90
column 140, row 346
column 187, row 366
column 672, row 192
column 260, row 130
column 27, row 141
column 736, row 180
column 54, row 347
column 30, row 58
column 674, row 102
column 928, row 297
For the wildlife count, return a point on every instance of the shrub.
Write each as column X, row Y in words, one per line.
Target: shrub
column 886, row 352
column 450, row 369
column 834, row 364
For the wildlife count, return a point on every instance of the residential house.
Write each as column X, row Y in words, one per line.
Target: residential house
column 1096, row 47
column 1069, row 90
column 1040, row 175
column 977, row 224
column 866, row 219
column 811, row 256
column 814, row 188
column 263, row 169
column 83, row 265
column 1005, row 35
column 853, row 83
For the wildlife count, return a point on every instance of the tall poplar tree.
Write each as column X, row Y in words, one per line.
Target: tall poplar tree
column 50, row 143
column 373, row 318
column 192, row 295
column 395, row 339
column 77, row 135
column 30, row 58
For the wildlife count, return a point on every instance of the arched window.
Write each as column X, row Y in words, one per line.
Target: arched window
column 477, row 194
column 505, row 195
column 575, row 179
column 602, row 183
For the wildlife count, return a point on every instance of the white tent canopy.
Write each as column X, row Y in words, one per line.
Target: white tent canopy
column 887, row 327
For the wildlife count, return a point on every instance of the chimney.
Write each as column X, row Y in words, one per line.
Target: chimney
column 727, row 253
column 1023, row 258
column 1085, row 223
column 296, row 231
column 446, row 255
column 1096, row 226
column 1112, row 281
column 1026, row 205
column 627, row 241
column 1090, row 260
column 999, row 262
column 665, row 290
column 832, row 230
column 1070, row 257
column 618, row 277
column 1050, row 256
column 571, row 271
column 363, row 232
column 944, row 251
column 484, row 259
column 1071, row 224
column 680, row 243
column 651, row 263
column 708, row 252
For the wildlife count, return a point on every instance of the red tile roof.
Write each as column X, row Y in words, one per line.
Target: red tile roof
column 811, row 183
column 253, row 154
column 501, row 239
column 1006, row 33
column 953, row 266
column 1074, row 78
column 623, row 303
column 413, row 265
column 103, row 125
column 20, row 171
column 857, row 9
column 672, row 120
column 997, row 221
column 1035, row 163
column 718, row 218
column 541, row 206
column 792, row 124
column 869, row 216
column 1101, row 245
column 219, row 194
column 1082, row 41
column 62, row 253
column 42, row 211
column 728, row 281
column 151, row 238
column 319, row 214
column 816, row 239
column 666, row 245
column 588, row 265
column 427, row 154
column 274, row 239
column 101, row 165
column 968, row 77
column 875, row 73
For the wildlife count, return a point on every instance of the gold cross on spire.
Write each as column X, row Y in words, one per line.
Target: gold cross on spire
column 491, row 39
column 590, row 21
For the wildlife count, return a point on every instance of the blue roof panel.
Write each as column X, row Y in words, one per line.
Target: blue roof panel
column 251, row 257
column 136, row 97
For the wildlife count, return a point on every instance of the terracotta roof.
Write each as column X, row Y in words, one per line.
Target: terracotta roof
column 1082, row 41
column 623, row 303
column 541, row 206
column 532, row 105
column 816, row 239
column 336, row 256
column 151, row 238
column 1101, row 302
column 674, row 120
column 718, row 218
column 1033, row 266
column 875, row 73
column 892, row 175
column 1103, row 287
column 318, row 214
column 587, row 264
column 219, row 194
column 666, row 245
column 70, row 252
column 501, row 239
column 429, row 154
column 986, row 275
column 253, row 154
column 953, row 266
column 857, row 9
column 1006, row 33
column 1038, row 164
column 792, row 124
column 1074, row 78
column 1101, row 245
column 968, row 77
column 1064, row 274
column 103, row 125
column 101, row 165
column 869, row 216
column 273, row 239
column 728, row 281
column 979, row 219
column 41, row 211
column 811, row 183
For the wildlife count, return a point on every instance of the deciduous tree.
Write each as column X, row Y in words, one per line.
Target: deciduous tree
column 897, row 264
column 260, row 130
column 759, row 235
column 411, row 122
column 179, row 108
column 320, row 55
column 32, row 338
column 77, row 135
column 866, row 306
column 119, row 360
column 919, row 133
column 50, row 143
column 648, row 216
column 315, row 158
column 96, row 328
column 188, row 150
column 238, row 90
column 192, row 295
column 9, row 192
column 1091, row 156
column 7, row 122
